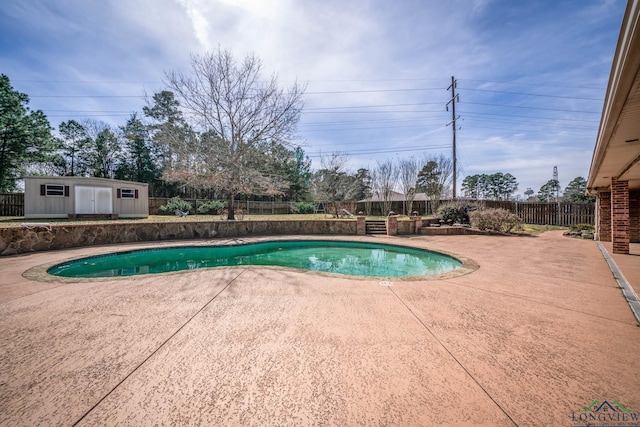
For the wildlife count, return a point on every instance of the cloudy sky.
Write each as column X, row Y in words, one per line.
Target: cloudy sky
column 531, row 75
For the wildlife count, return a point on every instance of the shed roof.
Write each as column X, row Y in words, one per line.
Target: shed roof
column 86, row 180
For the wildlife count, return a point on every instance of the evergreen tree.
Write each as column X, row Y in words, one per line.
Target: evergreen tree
column 429, row 180
column 363, row 184
column 498, row 186
column 139, row 160
column 576, row 192
column 298, row 174
column 25, row 135
column 73, row 143
column 549, row 191
column 103, row 149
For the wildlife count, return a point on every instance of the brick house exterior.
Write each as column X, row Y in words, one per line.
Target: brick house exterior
column 614, row 177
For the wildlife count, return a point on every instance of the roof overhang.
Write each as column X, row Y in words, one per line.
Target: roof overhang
column 617, row 150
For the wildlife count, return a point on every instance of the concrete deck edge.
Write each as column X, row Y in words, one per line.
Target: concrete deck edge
column 40, row 272
column 628, row 292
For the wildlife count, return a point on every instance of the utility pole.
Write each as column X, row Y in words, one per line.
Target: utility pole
column 452, row 101
column 557, row 182
column 555, row 177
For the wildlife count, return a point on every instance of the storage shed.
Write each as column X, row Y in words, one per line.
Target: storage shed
column 75, row 196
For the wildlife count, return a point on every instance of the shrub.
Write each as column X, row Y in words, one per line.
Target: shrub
column 495, row 219
column 174, row 204
column 303, row 208
column 581, row 227
column 456, row 212
column 211, row 207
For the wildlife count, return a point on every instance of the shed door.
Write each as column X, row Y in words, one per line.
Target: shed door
column 94, row 200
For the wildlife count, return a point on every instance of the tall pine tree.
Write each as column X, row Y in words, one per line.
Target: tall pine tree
column 25, row 135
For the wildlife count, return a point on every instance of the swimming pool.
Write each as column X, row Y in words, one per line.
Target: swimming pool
column 339, row 257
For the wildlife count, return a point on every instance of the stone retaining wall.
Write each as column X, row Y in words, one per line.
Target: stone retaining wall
column 43, row 237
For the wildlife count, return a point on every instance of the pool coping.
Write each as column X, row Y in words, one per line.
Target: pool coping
column 39, row 272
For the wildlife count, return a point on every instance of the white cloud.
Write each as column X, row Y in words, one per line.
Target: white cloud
column 340, row 46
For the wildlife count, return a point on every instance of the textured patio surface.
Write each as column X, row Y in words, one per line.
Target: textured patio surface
column 538, row 332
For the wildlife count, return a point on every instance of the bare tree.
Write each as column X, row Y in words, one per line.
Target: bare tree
column 408, row 170
column 239, row 117
column 333, row 183
column 384, row 178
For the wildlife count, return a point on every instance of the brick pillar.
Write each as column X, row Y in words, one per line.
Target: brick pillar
column 417, row 223
column 392, row 225
column 603, row 216
column 361, row 225
column 634, row 216
column 620, row 216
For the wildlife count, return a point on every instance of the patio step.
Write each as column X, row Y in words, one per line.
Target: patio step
column 376, row 227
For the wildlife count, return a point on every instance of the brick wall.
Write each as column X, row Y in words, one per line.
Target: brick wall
column 634, row 216
column 603, row 222
column 620, row 216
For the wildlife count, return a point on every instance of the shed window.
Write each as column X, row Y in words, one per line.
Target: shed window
column 127, row 193
column 54, row 190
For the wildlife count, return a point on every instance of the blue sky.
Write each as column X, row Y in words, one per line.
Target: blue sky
column 531, row 74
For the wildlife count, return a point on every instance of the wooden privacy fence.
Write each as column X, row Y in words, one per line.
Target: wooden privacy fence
column 530, row 212
column 11, row 204
column 548, row 213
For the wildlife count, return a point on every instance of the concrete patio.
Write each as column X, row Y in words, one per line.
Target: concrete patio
column 538, row 332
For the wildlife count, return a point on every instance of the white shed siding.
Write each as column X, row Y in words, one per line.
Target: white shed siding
column 37, row 205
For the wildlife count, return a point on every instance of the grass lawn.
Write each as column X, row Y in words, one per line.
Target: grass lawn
column 539, row 229
column 14, row 221
column 530, row 229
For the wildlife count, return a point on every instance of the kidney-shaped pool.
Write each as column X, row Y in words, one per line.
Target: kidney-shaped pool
column 339, row 257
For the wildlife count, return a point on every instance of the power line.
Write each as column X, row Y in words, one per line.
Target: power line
column 528, row 143
column 534, row 108
column 511, row 82
column 536, row 94
column 528, row 125
column 370, row 106
column 348, row 122
column 364, row 128
column 532, row 117
column 516, row 127
column 373, row 112
column 543, row 131
column 85, row 82
column 385, row 150
column 87, row 96
column 373, row 90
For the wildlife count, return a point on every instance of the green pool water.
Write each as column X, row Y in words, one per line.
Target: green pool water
column 340, row 257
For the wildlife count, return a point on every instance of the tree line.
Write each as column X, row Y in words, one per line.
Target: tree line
column 224, row 131
column 499, row 186
column 430, row 174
